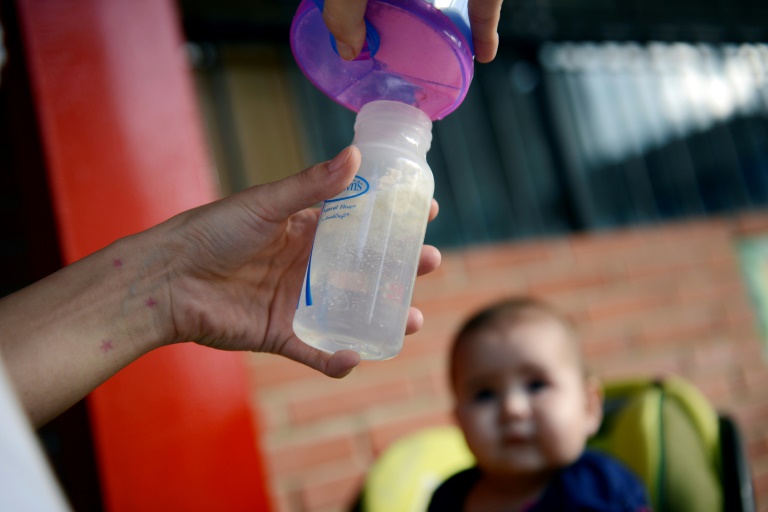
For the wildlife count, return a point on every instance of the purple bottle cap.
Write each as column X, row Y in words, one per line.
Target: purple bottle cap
column 414, row 54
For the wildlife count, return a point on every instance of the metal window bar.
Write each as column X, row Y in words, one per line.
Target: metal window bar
column 668, row 129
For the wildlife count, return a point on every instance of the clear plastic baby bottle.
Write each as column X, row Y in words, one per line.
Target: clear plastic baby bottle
column 359, row 281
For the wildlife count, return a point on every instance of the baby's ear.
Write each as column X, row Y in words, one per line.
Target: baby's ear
column 593, row 390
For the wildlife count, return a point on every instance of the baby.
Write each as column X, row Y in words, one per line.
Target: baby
column 526, row 407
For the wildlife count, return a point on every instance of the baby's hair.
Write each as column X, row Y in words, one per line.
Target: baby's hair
column 511, row 312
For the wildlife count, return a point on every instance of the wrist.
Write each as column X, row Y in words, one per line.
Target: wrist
column 68, row 333
column 139, row 281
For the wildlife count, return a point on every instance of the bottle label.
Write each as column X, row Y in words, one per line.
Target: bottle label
column 358, row 187
column 336, row 209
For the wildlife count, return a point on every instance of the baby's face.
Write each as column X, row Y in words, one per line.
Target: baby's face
column 522, row 399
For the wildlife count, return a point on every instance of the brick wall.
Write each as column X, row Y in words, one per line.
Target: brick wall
column 650, row 302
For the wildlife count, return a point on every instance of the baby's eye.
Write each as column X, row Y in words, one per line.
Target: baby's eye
column 536, row 385
column 483, row 395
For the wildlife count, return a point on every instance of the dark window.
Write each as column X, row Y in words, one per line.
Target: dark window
column 557, row 136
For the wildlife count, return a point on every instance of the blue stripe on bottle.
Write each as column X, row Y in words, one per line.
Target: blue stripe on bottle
column 308, row 290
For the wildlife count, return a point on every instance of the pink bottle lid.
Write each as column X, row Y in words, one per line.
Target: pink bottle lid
column 414, row 53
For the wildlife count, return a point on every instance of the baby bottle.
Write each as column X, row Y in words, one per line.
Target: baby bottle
column 416, row 67
column 360, row 276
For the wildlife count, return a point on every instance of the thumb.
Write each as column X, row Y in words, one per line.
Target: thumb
column 344, row 18
column 283, row 198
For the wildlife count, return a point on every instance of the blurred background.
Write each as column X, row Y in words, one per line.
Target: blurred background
column 612, row 159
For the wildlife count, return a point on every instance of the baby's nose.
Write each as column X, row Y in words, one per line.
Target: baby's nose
column 516, row 404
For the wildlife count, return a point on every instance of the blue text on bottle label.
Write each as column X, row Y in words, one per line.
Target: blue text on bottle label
column 336, row 209
column 358, row 187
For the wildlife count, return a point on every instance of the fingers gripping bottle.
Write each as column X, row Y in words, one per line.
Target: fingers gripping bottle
column 360, row 276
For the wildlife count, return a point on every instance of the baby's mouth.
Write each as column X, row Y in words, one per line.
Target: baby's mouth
column 513, row 436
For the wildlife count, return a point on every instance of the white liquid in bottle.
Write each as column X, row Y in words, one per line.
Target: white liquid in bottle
column 359, row 281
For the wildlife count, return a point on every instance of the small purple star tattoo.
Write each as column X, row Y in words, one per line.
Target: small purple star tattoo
column 117, row 263
column 106, row 345
column 150, row 302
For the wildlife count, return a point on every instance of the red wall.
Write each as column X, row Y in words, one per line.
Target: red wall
column 124, row 150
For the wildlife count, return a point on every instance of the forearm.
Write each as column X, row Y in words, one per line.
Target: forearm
column 66, row 334
column 225, row 275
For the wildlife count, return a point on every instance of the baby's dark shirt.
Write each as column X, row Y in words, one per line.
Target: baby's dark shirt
column 594, row 483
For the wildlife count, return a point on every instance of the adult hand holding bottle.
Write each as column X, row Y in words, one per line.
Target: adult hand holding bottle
column 225, row 275
column 344, row 19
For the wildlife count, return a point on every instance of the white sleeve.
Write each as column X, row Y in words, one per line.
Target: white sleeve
column 27, row 483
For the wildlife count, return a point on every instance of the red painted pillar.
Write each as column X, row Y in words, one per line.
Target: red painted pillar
column 124, row 150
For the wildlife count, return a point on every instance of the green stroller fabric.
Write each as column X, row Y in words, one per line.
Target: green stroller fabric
column 667, row 433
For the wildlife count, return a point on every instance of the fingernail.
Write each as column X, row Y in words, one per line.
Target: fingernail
column 345, row 51
column 339, row 160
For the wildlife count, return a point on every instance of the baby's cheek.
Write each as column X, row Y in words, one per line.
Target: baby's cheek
column 561, row 450
column 471, row 421
column 564, row 439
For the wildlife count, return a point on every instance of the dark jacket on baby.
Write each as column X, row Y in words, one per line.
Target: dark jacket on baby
column 594, row 483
